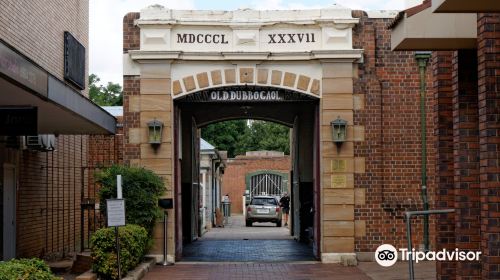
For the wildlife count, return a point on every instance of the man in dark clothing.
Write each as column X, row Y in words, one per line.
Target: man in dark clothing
column 285, row 206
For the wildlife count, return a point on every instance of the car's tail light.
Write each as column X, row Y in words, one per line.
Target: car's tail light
column 249, row 209
column 277, row 209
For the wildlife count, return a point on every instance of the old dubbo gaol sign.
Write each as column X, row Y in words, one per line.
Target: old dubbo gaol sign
column 245, row 94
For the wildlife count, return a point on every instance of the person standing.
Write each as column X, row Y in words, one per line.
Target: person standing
column 285, row 206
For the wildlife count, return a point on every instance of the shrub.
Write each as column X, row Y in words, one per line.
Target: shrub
column 134, row 243
column 25, row 269
column 141, row 191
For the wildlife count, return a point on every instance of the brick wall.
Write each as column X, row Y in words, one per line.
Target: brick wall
column 489, row 141
column 48, row 208
column 106, row 150
column 233, row 180
column 24, row 25
column 131, row 120
column 471, row 166
column 466, row 159
column 389, row 84
column 131, row 32
column 442, row 69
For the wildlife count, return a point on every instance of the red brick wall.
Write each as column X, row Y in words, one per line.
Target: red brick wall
column 472, row 165
column 489, row 143
column 106, row 150
column 131, row 86
column 466, row 159
column 442, row 68
column 233, row 180
column 131, row 33
column 391, row 117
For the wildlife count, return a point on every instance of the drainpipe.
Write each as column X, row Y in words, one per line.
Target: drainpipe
column 422, row 59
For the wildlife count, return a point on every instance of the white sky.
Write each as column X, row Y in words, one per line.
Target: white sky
column 106, row 18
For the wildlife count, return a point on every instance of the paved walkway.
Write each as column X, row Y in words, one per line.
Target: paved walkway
column 261, row 271
column 236, row 229
column 247, row 251
column 399, row 271
column 263, row 242
column 267, row 252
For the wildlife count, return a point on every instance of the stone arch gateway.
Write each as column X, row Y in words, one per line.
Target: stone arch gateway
column 190, row 68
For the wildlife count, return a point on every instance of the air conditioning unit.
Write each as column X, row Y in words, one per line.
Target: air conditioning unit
column 42, row 142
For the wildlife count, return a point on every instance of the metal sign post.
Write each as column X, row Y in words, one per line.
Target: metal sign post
column 116, row 218
column 165, row 203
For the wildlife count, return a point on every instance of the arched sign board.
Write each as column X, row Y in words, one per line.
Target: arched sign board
column 245, row 94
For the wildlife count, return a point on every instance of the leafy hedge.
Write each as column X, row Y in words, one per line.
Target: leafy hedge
column 134, row 243
column 25, row 269
column 141, row 191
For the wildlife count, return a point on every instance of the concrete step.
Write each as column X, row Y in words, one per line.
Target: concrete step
column 82, row 263
column 61, row 266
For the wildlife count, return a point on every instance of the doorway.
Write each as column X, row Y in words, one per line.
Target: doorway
column 295, row 110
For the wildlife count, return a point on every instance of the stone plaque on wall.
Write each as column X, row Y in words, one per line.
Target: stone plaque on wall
column 339, row 165
column 339, row 181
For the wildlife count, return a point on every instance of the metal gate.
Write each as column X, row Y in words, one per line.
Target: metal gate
column 267, row 184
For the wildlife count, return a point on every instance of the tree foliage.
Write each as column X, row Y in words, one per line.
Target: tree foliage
column 141, row 190
column 239, row 136
column 109, row 95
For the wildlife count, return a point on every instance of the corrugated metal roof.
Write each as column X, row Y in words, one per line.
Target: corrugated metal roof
column 116, row 111
column 204, row 145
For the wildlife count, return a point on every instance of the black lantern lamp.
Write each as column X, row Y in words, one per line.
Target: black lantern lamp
column 155, row 130
column 339, row 130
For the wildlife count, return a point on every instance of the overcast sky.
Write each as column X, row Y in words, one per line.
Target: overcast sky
column 106, row 22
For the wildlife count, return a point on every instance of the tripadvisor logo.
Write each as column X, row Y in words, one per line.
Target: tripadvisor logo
column 387, row 255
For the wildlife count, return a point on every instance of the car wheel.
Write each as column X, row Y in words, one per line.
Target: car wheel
column 278, row 224
column 248, row 223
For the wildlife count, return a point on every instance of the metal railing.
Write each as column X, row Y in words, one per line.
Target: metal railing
column 409, row 215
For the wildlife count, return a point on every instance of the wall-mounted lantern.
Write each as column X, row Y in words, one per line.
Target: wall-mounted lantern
column 339, row 130
column 155, row 129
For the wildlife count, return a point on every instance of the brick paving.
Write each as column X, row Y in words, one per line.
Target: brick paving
column 239, row 252
column 247, row 251
column 243, row 271
column 263, row 242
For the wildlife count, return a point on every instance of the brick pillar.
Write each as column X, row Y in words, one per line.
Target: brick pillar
column 132, row 132
column 445, row 199
column 466, row 160
column 489, row 139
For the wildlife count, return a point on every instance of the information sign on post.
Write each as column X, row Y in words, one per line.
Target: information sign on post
column 115, row 212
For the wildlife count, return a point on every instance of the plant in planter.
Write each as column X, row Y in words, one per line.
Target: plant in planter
column 134, row 243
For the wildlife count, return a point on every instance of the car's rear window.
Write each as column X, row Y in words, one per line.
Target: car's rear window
column 263, row 201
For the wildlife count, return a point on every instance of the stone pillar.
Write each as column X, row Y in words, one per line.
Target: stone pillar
column 466, row 160
column 489, row 141
column 339, row 166
column 148, row 97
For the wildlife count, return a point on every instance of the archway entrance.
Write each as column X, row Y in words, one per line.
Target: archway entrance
column 294, row 109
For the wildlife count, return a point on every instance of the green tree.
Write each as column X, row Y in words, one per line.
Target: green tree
column 240, row 136
column 226, row 136
column 269, row 136
column 109, row 95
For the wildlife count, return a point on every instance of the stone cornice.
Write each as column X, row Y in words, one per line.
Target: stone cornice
column 354, row 55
